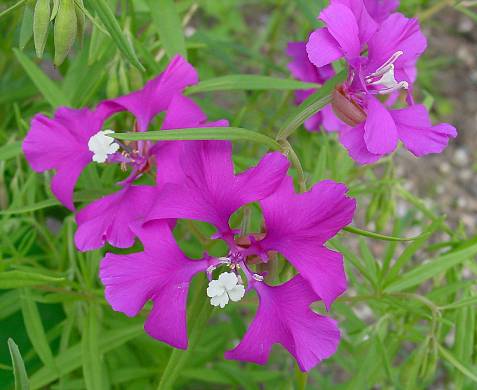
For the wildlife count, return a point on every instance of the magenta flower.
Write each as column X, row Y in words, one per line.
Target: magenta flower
column 74, row 138
column 296, row 225
column 284, row 316
column 161, row 273
column 370, row 129
column 302, row 69
column 379, row 10
column 108, row 218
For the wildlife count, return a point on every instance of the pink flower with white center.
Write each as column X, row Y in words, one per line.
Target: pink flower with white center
column 382, row 62
column 75, row 138
column 295, row 225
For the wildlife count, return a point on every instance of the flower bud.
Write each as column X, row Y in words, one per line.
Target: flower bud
column 65, row 30
column 345, row 109
column 41, row 21
column 81, row 19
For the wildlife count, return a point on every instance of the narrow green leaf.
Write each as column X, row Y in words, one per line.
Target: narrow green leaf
column 469, row 301
column 47, row 87
column 247, row 82
column 310, row 106
column 35, row 330
column 9, row 303
column 169, row 26
column 201, row 133
column 17, row 279
column 13, row 7
column 70, row 359
column 34, row 207
column 463, row 368
column 377, row 236
column 109, row 20
column 410, row 250
column 91, row 355
column 432, row 268
column 21, row 378
column 10, row 150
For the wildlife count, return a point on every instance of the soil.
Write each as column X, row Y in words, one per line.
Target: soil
column 448, row 180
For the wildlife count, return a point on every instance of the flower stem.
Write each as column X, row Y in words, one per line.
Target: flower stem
column 301, row 379
column 200, row 311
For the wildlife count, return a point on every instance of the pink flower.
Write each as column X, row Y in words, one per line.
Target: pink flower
column 108, row 218
column 74, row 138
column 296, row 225
column 161, row 273
column 369, row 128
column 302, row 69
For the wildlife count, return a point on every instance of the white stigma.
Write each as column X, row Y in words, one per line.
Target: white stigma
column 102, row 146
column 386, row 76
column 226, row 288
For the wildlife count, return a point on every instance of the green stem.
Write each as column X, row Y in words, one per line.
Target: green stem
column 200, row 311
column 301, row 378
column 295, row 160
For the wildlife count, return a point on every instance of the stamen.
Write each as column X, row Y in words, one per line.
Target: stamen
column 102, row 146
column 257, row 277
column 383, row 68
column 384, row 76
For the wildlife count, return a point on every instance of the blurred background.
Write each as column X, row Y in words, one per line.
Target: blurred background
column 409, row 317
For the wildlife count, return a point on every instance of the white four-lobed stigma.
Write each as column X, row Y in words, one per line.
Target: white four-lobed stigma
column 226, row 288
column 102, row 146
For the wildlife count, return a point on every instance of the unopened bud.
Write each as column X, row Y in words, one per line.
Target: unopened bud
column 345, row 109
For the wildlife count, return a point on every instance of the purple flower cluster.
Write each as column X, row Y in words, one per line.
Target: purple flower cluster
column 196, row 180
column 381, row 48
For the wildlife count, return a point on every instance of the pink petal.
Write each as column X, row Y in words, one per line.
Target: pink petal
column 61, row 143
column 211, row 192
column 381, row 9
column 366, row 24
column 380, row 132
column 322, row 48
column 341, row 23
column 396, row 33
column 108, row 219
column 417, row 133
column 156, row 95
column 331, row 121
column 67, row 174
column 298, row 225
column 302, row 69
column 162, row 274
column 353, row 140
column 182, row 113
column 284, row 317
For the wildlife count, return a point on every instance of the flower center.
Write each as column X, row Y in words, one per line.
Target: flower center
column 102, row 146
column 228, row 287
column 384, row 77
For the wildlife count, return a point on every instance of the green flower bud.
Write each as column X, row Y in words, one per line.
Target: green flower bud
column 41, row 21
column 65, row 30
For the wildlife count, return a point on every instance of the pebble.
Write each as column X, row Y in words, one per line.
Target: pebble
column 461, row 157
